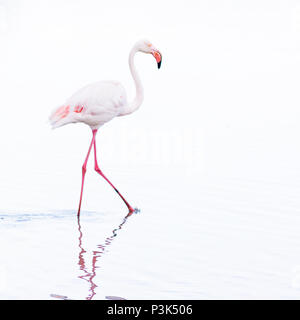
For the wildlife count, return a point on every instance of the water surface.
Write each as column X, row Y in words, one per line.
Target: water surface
column 207, row 239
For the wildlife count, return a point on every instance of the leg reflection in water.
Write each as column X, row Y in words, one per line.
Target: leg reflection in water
column 89, row 276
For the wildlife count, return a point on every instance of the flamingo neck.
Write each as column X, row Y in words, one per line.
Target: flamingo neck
column 139, row 91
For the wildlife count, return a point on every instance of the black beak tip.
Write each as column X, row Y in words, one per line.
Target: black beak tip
column 158, row 64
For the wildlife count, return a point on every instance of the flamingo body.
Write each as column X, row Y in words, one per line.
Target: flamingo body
column 94, row 105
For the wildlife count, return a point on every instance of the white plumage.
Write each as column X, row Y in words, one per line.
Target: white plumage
column 94, row 105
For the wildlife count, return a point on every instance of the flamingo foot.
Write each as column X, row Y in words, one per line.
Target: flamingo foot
column 131, row 210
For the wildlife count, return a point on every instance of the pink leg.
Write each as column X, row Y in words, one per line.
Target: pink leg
column 131, row 210
column 84, row 171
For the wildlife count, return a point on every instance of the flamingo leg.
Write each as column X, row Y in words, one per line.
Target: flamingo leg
column 84, row 170
column 97, row 169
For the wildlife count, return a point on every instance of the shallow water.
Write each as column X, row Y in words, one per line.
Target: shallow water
column 207, row 239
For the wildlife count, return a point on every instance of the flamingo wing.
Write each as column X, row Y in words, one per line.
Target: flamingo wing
column 94, row 105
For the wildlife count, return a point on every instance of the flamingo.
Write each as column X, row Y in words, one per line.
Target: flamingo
column 98, row 103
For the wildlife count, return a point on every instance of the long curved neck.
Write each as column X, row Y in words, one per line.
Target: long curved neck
column 139, row 91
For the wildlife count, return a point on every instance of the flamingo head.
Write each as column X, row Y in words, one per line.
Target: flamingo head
column 147, row 47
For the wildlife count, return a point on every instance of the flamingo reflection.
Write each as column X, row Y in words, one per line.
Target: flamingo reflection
column 90, row 275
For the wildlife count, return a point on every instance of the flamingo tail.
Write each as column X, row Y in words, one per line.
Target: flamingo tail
column 60, row 116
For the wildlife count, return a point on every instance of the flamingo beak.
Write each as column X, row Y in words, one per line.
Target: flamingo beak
column 157, row 55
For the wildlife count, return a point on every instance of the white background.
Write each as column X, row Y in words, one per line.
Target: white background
column 225, row 101
column 224, row 105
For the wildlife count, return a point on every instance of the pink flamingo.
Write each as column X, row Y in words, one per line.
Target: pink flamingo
column 100, row 102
